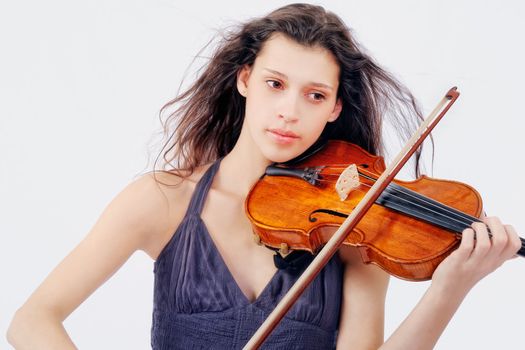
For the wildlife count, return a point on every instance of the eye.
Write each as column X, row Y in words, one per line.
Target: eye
column 317, row 96
column 274, row 84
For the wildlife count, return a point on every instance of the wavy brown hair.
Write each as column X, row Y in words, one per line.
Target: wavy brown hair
column 208, row 115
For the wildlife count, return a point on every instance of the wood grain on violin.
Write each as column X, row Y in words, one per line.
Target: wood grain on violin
column 409, row 230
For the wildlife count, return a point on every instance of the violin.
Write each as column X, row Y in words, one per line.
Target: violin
column 344, row 195
column 408, row 231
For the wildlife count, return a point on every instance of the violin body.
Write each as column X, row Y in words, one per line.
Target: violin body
column 400, row 235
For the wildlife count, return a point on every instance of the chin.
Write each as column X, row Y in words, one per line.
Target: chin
column 280, row 155
column 280, row 152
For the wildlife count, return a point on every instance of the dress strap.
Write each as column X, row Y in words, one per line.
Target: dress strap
column 201, row 189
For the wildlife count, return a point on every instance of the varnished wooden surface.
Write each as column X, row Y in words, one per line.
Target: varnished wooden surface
column 279, row 208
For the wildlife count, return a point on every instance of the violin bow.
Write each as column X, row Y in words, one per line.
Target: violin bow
column 326, row 253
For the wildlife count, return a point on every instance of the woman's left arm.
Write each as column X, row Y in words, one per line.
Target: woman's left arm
column 477, row 256
column 361, row 323
column 364, row 291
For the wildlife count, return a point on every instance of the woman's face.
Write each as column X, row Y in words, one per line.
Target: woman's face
column 290, row 95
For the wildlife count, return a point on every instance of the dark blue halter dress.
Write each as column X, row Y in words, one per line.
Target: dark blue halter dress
column 198, row 305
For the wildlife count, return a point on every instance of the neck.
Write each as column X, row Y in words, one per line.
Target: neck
column 240, row 170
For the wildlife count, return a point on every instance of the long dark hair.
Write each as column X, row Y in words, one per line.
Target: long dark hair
column 208, row 117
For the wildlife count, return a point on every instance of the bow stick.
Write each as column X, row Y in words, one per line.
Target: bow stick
column 326, row 253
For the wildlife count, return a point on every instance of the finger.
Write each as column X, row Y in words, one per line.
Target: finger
column 514, row 241
column 500, row 238
column 467, row 244
column 482, row 241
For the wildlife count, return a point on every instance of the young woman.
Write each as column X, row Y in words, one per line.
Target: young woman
column 274, row 88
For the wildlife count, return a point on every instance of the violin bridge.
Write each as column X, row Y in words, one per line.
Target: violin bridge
column 347, row 181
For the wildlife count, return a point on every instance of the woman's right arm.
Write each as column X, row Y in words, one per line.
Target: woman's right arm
column 129, row 223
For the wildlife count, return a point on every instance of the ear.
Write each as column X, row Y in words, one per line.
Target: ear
column 337, row 110
column 242, row 79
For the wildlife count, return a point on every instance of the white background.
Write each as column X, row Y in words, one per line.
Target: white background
column 81, row 84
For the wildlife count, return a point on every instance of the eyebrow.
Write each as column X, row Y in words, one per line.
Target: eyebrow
column 310, row 83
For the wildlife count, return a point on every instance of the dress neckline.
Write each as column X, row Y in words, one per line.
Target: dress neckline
column 231, row 279
column 202, row 189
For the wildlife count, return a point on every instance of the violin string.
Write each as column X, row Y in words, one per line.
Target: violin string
column 430, row 202
column 391, row 190
column 420, row 197
column 406, row 191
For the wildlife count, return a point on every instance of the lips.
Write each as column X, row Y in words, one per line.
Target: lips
column 284, row 133
column 283, row 137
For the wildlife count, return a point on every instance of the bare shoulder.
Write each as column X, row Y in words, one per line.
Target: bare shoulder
column 156, row 203
column 351, row 259
column 140, row 217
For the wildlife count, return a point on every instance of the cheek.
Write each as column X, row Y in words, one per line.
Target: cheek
column 312, row 135
column 255, row 114
column 316, row 123
column 259, row 108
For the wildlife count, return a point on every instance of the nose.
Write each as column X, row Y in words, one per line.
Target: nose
column 289, row 108
column 288, row 118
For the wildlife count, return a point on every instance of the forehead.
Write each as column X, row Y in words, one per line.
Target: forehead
column 297, row 61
